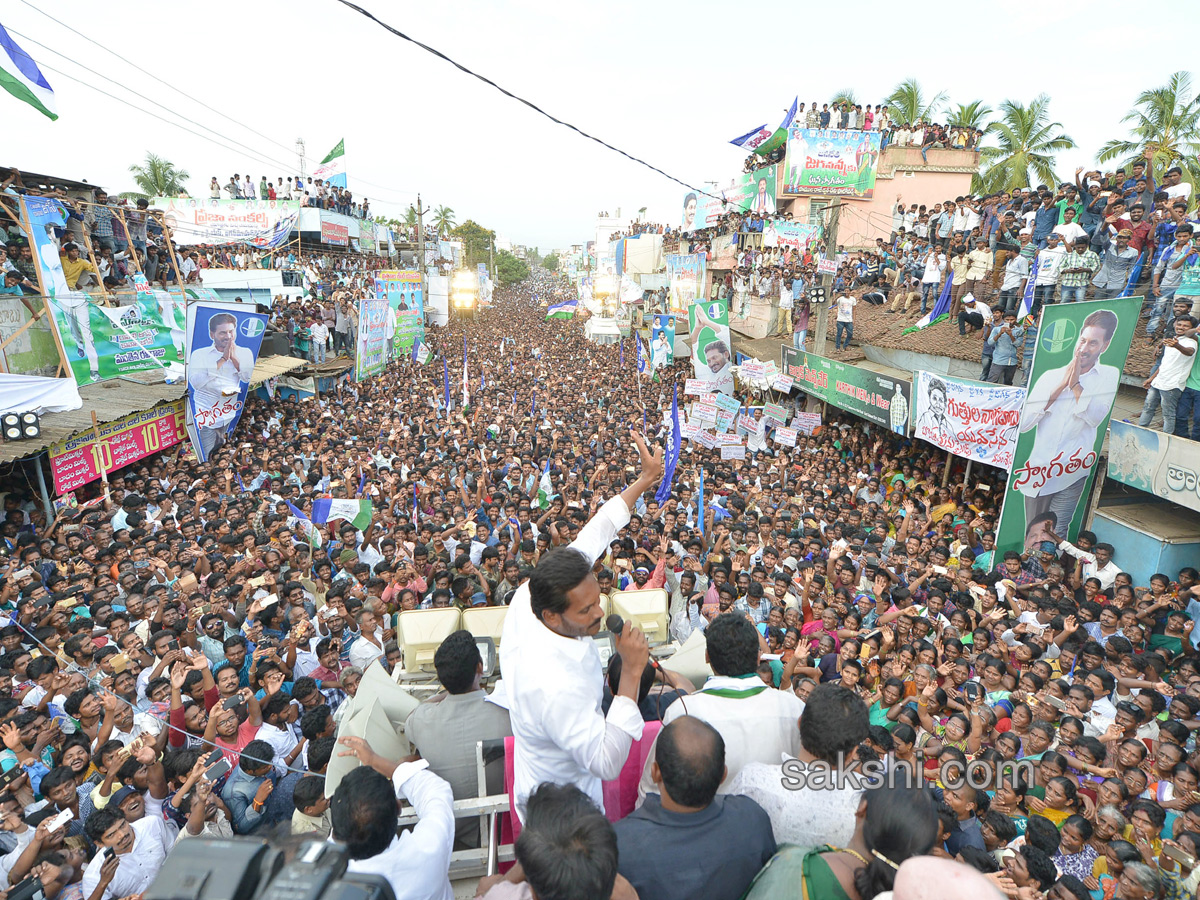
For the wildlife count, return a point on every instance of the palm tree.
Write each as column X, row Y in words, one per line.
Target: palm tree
column 443, row 219
column 1165, row 127
column 907, row 105
column 973, row 115
column 1026, row 140
column 410, row 215
column 158, row 177
column 844, row 96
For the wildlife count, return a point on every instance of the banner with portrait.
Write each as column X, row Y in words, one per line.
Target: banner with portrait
column 372, row 352
column 749, row 192
column 1073, row 380
column 1165, row 465
column 685, row 281
column 712, row 350
column 265, row 224
column 789, row 235
column 877, row 398
column 662, row 341
column 223, row 340
column 970, row 419
column 406, row 306
column 831, row 162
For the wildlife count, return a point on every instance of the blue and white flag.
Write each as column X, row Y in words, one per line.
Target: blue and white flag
column 1030, row 285
column 752, row 139
column 564, row 310
column 940, row 310
column 674, row 442
column 700, row 503
column 545, row 490
column 641, row 357
column 21, row 77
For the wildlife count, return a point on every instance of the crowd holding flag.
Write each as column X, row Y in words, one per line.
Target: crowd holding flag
column 940, row 311
column 564, row 310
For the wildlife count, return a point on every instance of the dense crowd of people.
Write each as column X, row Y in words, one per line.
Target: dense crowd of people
column 856, row 612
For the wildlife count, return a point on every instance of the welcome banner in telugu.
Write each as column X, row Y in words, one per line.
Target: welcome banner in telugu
column 79, row 460
column 406, row 305
column 832, row 162
column 970, row 419
column 260, row 223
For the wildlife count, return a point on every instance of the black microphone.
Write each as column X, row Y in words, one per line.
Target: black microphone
column 614, row 624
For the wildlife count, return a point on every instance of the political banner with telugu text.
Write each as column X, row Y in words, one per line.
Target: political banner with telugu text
column 1073, row 381
column 223, row 340
column 685, row 281
column 371, row 356
column 970, row 419
column 869, row 395
column 406, row 305
column 712, row 352
column 80, row 460
column 1164, row 465
column 831, row 162
column 260, row 223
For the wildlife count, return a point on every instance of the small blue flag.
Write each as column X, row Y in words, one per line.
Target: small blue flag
column 446, row 381
column 674, row 440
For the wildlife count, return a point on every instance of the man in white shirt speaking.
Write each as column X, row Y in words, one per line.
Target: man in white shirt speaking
column 553, row 680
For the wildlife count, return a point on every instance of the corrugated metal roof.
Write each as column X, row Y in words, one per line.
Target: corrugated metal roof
column 274, row 366
column 109, row 399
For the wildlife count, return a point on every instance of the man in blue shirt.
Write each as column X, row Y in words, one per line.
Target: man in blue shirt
column 1005, row 338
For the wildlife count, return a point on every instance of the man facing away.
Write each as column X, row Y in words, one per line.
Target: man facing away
column 686, row 841
column 445, row 732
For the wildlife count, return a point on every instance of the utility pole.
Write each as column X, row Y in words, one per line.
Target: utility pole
column 420, row 237
column 492, row 257
column 300, row 153
column 831, row 231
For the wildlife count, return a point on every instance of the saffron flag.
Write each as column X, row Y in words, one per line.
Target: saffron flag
column 939, row 312
column 332, row 169
column 21, row 77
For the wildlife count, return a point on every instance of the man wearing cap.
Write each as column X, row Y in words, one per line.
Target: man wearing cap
column 1117, row 260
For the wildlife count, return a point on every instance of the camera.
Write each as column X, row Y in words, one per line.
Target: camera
column 248, row 869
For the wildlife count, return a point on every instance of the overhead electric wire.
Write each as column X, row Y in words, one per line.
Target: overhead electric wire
column 591, row 137
column 154, row 77
column 258, row 155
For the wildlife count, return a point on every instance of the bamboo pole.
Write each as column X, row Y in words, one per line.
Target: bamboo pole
column 64, row 365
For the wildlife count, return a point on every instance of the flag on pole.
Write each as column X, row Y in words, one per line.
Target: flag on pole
column 564, row 310
column 416, row 506
column 446, row 381
column 940, row 310
column 356, row 512
column 674, row 439
column 533, row 406
column 621, row 347
column 238, row 476
column 751, row 140
column 1027, row 297
column 700, row 504
column 362, row 483
column 311, row 533
column 641, row 359
column 21, row 77
column 416, row 348
column 332, row 169
column 779, row 136
column 465, row 398
column 545, row 489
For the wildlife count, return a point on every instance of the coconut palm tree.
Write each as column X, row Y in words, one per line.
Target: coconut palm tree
column 1025, row 140
column 975, row 114
column 1164, row 127
column 158, row 177
column 844, row 96
column 907, row 105
column 410, row 215
column 443, row 219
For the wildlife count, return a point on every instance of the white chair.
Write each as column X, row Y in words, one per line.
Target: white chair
column 645, row 609
column 485, row 621
column 419, row 632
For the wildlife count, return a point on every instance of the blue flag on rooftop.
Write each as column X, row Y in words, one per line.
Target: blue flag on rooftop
column 1030, row 286
column 940, row 310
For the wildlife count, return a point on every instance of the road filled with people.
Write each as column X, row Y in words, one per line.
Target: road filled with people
column 892, row 699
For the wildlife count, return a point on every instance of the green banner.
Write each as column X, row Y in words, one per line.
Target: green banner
column 1073, row 381
column 869, row 395
column 103, row 342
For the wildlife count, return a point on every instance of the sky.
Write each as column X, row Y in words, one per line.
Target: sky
column 670, row 82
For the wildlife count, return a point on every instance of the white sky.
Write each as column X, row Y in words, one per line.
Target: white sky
column 665, row 80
